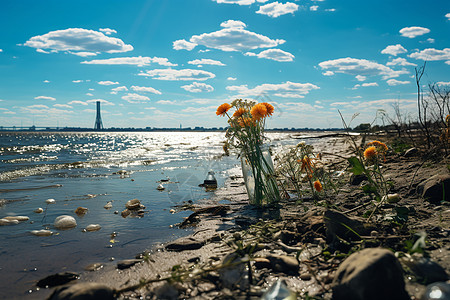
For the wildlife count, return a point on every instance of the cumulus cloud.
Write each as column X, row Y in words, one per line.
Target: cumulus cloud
column 360, row 78
column 432, row 54
column 394, row 50
column 119, row 89
column 169, row 102
column 107, row 82
column 394, row 82
column 44, row 98
column 233, row 37
column 354, row 66
column 102, row 101
column 197, row 87
column 443, row 83
column 314, row 8
column 77, row 81
column 77, row 102
column 231, row 78
column 328, row 73
column 172, row 74
column 46, row 81
column 448, row 16
column 206, row 61
column 274, row 54
column 62, row 106
column 135, row 98
column 286, row 90
column 76, row 40
column 412, row 32
column 240, row 2
column 276, row 9
column 83, row 53
column 107, row 31
column 400, row 61
column 137, row 61
column 367, row 84
column 145, row 89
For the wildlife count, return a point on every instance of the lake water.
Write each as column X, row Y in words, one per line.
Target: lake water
column 84, row 169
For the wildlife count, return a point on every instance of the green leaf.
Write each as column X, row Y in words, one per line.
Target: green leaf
column 357, row 166
column 368, row 188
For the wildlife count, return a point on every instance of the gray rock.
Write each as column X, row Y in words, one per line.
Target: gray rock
column 83, row 291
column 370, row 274
column 127, row 263
column 185, row 244
column 433, row 189
column 57, row 279
column 426, row 270
column 283, row 263
column 338, row 224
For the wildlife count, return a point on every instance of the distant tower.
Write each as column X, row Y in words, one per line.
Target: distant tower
column 98, row 120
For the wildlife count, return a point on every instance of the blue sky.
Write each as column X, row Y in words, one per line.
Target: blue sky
column 165, row 63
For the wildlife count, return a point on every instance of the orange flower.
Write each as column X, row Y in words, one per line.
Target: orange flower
column 370, row 152
column 307, row 165
column 238, row 113
column 269, row 107
column 259, row 111
column 379, row 145
column 246, row 122
column 222, row 109
column 318, row 185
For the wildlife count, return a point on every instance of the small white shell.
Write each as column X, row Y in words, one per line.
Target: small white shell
column 50, row 201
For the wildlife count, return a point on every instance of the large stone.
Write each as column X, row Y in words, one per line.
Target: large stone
column 57, row 279
column 434, row 188
column 185, row 244
column 83, row 291
column 127, row 263
column 65, row 222
column 370, row 274
column 283, row 263
column 426, row 270
column 339, row 225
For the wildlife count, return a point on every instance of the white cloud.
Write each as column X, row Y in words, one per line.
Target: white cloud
column 443, row 83
column 172, row 74
column 231, row 78
column 169, row 102
column 77, row 81
column 412, row 32
column 328, row 73
column 84, row 53
column 44, row 98
column 135, row 98
column 400, row 61
column 78, row 40
column 89, row 94
column 38, row 106
column 107, row 31
column 115, row 90
column 102, row 101
column 360, row 78
column 63, row 106
column 107, row 82
column 330, row 9
column 183, row 45
column 233, row 37
column 77, row 102
column 447, row 16
column 276, row 9
column 137, row 61
column 240, row 2
column 367, row 84
column 46, row 81
column 314, row 8
column 206, row 61
column 432, row 54
column 198, row 87
column 394, row 82
column 1, row 50
column 145, row 89
column 286, row 90
column 394, row 50
column 354, row 66
column 274, row 54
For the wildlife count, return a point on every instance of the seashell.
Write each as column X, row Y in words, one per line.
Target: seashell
column 8, row 222
column 93, row 227
column 65, row 222
column 50, row 201
column 38, row 210
column 80, row 211
column 42, row 232
column 17, row 218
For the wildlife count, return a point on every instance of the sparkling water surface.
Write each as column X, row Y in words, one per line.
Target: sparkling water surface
column 85, row 169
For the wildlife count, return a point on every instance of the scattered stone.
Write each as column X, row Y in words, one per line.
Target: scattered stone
column 426, row 270
column 127, row 263
column 235, row 275
column 433, row 188
column 370, row 274
column 38, row 210
column 50, row 201
column 85, row 291
column 65, row 222
column 8, row 222
column 42, row 232
column 81, row 211
column 125, row 213
column 57, row 279
column 16, row 218
column 283, row 263
column 166, row 291
column 185, row 244
column 134, row 204
column 172, row 211
column 305, row 276
column 339, row 225
column 108, row 205
column 391, row 198
column 93, row 227
column 94, row 267
column 160, row 187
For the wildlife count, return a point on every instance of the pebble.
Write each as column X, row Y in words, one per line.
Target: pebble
column 42, row 232
column 50, row 201
column 65, row 222
column 93, row 227
column 134, row 204
column 160, row 187
column 17, row 218
column 80, row 211
column 8, row 222
column 172, row 211
column 108, row 205
column 38, row 210
column 94, row 267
